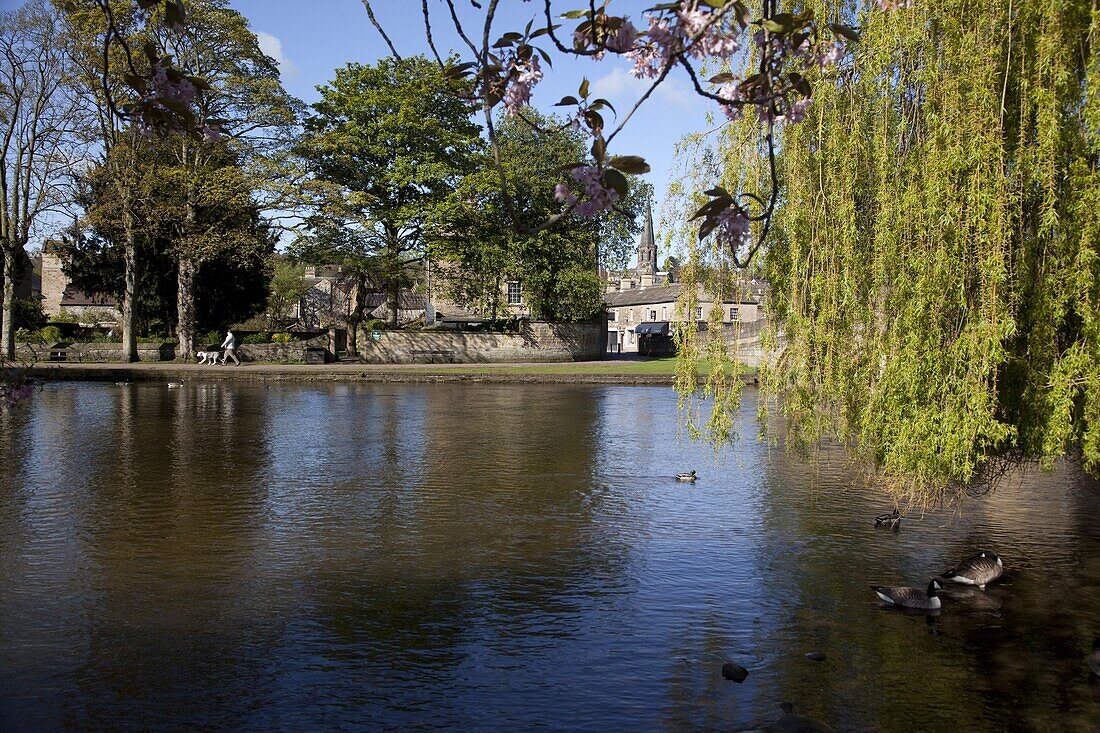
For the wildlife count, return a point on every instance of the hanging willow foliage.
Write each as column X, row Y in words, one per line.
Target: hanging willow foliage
column 935, row 268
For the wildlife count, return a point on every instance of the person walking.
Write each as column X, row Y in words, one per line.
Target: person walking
column 230, row 346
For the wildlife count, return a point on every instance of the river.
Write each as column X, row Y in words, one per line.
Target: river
column 497, row 558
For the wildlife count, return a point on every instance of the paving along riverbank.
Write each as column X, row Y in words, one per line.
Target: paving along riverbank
column 641, row 372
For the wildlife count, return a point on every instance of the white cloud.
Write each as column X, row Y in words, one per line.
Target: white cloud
column 619, row 87
column 273, row 47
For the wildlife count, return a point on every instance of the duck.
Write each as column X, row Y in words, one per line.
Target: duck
column 687, row 477
column 887, row 518
column 911, row 597
column 174, row 384
column 1094, row 658
column 979, row 570
column 895, row 523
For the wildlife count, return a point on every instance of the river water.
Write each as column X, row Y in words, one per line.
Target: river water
column 488, row 557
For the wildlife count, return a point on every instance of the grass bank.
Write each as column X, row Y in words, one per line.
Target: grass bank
column 617, row 371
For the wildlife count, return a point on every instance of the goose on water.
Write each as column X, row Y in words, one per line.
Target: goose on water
column 983, row 568
column 688, row 477
column 887, row 518
column 910, row 597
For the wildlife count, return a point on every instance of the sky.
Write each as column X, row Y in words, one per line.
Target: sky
column 311, row 39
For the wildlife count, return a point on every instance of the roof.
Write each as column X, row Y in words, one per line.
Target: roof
column 671, row 293
column 74, row 296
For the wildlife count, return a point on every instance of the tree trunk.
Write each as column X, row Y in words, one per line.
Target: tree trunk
column 395, row 301
column 355, row 317
column 185, row 308
column 129, row 297
column 8, row 327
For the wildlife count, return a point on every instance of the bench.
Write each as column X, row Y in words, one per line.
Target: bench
column 59, row 355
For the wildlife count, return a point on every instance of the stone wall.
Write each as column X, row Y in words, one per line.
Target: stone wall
column 537, row 342
column 94, row 351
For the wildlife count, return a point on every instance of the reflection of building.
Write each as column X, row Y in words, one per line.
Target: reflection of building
column 61, row 297
column 647, row 297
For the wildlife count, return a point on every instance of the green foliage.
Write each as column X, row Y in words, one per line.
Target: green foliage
column 28, row 314
column 257, row 338
column 387, row 144
column 484, row 245
column 281, row 338
column 286, row 289
column 232, row 248
column 936, row 265
column 49, row 335
column 374, row 324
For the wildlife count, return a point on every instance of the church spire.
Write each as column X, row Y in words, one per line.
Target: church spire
column 647, row 248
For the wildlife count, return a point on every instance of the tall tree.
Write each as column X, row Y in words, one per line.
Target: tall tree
column 38, row 116
column 387, row 145
column 936, row 272
column 245, row 100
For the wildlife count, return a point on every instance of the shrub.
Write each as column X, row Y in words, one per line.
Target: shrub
column 209, row 338
column 282, row 338
column 257, row 338
column 374, row 324
column 26, row 336
column 49, row 334
column 28, row 314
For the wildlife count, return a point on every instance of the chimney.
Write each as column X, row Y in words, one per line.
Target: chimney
column 612, row 287
column 626, row 284
column 647, row 280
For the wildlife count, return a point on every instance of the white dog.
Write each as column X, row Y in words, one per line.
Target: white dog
column 207, row 357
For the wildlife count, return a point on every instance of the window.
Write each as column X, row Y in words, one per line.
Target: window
column 664, row 313
column 630, row 316
column 653, row 315
column 699, row 313
column 733, row 313
column 613, row 315
column 515, row 295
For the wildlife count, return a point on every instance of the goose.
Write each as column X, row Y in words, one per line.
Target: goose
column 983, row 568
column 1094, row 658
column 687, row 477
column 887, row 518
column 911, row 597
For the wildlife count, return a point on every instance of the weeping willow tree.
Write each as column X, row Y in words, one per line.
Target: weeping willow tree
column 935, row 257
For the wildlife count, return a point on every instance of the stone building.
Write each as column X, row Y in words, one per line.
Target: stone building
column 645, row 296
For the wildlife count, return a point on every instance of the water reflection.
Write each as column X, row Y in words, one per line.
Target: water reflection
column 490, row 558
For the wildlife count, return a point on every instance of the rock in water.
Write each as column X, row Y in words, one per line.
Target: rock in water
column 816, row 656
column 734, row 671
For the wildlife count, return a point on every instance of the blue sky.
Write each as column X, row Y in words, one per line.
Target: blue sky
column 312, row 39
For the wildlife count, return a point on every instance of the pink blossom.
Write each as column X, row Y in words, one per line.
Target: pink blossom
column 525, row 75
column 797, row 111
column 624, row 38
column 733, row 229
column 599, row 197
